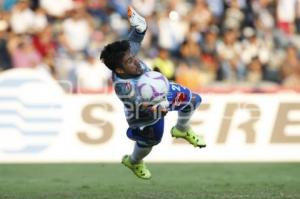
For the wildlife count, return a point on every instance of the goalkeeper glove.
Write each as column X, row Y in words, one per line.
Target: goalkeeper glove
column 161, row 107
column 136, row 20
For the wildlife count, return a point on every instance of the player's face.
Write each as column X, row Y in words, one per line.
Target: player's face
column 131, row 65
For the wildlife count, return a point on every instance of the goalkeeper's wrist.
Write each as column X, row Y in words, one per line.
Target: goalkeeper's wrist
column 140, row 32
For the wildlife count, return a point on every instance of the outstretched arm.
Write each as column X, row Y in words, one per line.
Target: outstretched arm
column 138, row 31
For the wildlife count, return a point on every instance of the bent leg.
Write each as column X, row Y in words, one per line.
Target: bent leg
column 145, row 139
column 182, row 128
column 185, row 114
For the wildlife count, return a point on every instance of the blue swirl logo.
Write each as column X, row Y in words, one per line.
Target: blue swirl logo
column 30, row 112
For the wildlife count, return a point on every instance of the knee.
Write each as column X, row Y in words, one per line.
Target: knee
column 153, row 135
column 147, row 137
column 193, row 104
column 148, row 143
column 196, row 100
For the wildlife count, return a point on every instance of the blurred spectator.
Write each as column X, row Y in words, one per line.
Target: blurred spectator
column 234, row 15
column 5, row 61
column 293, row 80
column 217, row 8
column 181, row 7
column 255, row 71
column 286, row 15
column 92, row 76
column 201, row 15
column 291, row 62
column 164, row 64
column 232, row 69
column 190, row 49
column 144, row 7
column 209, row 52
column 120, row 6
column 172, row 30
column 99, row 10
column 77, row 30
column 119, row 25
column 22, row 18
column 23, row 52
column 253, row 46
column 55, row 9
column 40, row 20
column 44, row 42
column 188, row 76
column 240, row 3
column 151, row 38
column 263, row 15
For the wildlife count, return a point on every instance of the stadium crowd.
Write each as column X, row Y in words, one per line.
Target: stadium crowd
column 198, row 43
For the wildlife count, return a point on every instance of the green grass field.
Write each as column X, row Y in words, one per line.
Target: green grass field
column 171, row 181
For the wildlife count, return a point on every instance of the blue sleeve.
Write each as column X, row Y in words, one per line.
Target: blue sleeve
column 178, row 96
column 135, row 39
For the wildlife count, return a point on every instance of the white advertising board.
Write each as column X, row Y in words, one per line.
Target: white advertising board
column 40, row 123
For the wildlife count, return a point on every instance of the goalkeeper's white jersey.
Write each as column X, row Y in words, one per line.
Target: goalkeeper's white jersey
column 126, row 90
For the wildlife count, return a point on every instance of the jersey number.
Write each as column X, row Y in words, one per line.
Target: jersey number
column 175, row 87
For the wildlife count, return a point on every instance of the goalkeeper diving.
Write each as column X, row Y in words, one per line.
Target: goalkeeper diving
column 146, row 126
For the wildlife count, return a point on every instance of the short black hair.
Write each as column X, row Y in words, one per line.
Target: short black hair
column 112, row 54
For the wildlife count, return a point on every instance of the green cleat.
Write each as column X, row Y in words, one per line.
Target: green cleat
column 139, row 169
column 190, row 136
